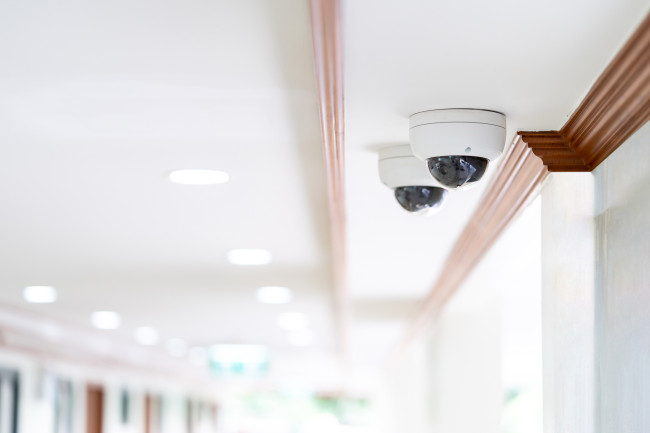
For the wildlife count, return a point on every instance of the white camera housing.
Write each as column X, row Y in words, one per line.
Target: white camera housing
column 457, row 144
column 415, row 189
column 399, row 167
column 457, row 131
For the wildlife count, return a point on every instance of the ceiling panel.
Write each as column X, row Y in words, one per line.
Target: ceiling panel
column 101, row 101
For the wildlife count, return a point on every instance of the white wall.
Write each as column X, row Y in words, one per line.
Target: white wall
column 623, row 287
column 175, row 414
column 403, row 402
column 487, row 342
column 465, row 379
column 112, row 407
column 568, row 302
column 36, row 410
column 596, row 239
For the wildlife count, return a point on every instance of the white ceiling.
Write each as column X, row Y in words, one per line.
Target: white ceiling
column 533, row 61
column 101, row 100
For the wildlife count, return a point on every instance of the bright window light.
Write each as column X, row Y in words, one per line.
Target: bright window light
column 105, row 320
column 147, row 336
column 239, row 359
column 198, row 177
column 176, row 347
column 39, row 294
column 274, row 295
column 301, row 338
column 249, row 257
column 293, row 321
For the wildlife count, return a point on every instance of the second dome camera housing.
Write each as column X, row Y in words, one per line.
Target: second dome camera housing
column 415, row 190
column 457, row 144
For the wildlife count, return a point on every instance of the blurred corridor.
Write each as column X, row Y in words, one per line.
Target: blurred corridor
column 195, row 238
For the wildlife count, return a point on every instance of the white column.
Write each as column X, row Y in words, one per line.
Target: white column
column 623, row 287
column 568, row 303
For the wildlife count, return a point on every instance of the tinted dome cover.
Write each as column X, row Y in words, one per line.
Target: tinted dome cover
column 456, row 171
column 421, row 199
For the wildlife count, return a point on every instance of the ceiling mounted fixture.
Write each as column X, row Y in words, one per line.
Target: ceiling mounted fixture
column 147, row 336
column 457, row 144
column 199, row 177
column 40, row 294
column 249, row 257
column 274, row 295
column 415, row 190
column 105, row 320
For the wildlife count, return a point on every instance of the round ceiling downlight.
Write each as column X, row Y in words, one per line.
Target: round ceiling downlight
column 199, row 177
column 147, row 336
column 40, row 294
column 105, row 320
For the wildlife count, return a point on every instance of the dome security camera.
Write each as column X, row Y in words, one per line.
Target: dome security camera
column 415, row 190
column 457, row 144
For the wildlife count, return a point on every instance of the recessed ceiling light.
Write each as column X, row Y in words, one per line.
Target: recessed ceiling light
column 293, row 321
column 199, row 177
column 176, row 347
column 274, row 295
column 301, row 338
column 39, row 294
column 147, row 336
column 105, row 320
column 249, row 257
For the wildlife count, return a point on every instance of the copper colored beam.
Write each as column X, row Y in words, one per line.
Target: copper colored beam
column 328, row 57
column 617, row 105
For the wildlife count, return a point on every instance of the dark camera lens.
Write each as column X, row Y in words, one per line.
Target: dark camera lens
column 456, row 171
column 420, row 199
